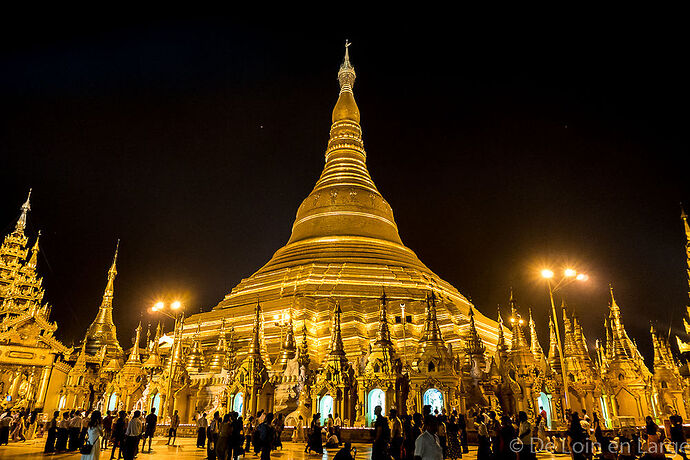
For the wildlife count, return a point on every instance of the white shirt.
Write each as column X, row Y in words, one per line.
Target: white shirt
column 134, row 428
column 428, row 447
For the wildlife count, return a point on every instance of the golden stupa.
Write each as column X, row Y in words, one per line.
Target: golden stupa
column 344, row 246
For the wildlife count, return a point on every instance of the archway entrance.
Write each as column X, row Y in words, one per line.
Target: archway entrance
column 112, row 402
column 156, row 403
column 238, row 403
column 325, row 408
column 545, row 403
column 376, row 398
column 434, row 398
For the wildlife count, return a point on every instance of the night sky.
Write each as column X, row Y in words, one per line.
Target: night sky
column 500, row 149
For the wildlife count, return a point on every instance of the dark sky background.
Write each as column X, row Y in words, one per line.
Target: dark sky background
column 500, row 149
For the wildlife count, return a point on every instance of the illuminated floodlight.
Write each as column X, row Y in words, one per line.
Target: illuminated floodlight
column 546, row 273
column 581, row 277
column 569, row 272
column 175, row 305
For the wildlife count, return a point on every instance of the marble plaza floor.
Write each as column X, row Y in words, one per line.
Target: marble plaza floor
column 185, row 449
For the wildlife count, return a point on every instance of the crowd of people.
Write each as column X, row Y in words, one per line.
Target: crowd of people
column 425, row 436
column 89, row 433
column 18, row 426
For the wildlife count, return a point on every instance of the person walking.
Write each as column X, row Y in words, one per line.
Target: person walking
column 84, row 428
column 453, row 438
column 396, row 435
column 62, row 434
column 462, row 433
column 484, row 448
column 172, row 432
column 248, row 434
column 201, row 426
column 655, row 443
column 118, row 436
column 5, row 423
column 315, row 442
column 94, row 431
column 107, row 429
column 150, row 430
column 237, row 438
column 577, row 438
column 279, row 425
column 223, row 442
column 132, row 435
column 677, row 434
column 266, row 436
column 52, row 433
column 212, row 436
column 525, row 435
column 382, row 436
column 427, row 446
column 74, row 430
column 506, row 435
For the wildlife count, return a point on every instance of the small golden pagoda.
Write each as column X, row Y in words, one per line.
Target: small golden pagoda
column 102, row 332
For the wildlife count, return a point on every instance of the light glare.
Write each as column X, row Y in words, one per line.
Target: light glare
column 175, row 305
column 546, row 273
column 582, row 277
column 158, row 306
column 569, row 272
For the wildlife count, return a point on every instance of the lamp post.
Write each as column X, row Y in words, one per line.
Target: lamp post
column 569, row 276
column 174, row 311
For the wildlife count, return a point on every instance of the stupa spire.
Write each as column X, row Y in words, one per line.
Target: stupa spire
column 134, row 356
column 154, row 361
column 217, row 361
column 304, row 348
column 517, row 321
column 554, row 356
column 474, row 345
column 102, row 331
column 336, row 347
column 535, row 346
column 195, row 358
column 255, row 345
column 21, row 222
column 384, row 336
column 288, row 347
column 501, row 347
column 345, row 200
column 33, row 261
column 432, row 331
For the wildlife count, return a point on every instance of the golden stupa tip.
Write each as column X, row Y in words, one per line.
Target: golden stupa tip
column 346, row 107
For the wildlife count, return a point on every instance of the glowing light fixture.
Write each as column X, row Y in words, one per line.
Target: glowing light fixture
column 581, row 277
column 175, row 305
column 569, row 272
column 546, row 273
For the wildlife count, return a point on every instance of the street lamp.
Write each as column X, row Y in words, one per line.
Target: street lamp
column 174, row 311
column 569, row 276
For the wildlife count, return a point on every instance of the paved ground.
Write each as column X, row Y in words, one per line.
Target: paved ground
column 186, row 450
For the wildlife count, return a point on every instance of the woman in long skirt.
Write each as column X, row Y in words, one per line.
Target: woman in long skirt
column 453, row 439
column 94, row 432
column 315, row 442
column 62, row 434
column 52, row 433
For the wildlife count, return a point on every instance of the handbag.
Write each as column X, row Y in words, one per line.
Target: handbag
column 86, row 448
